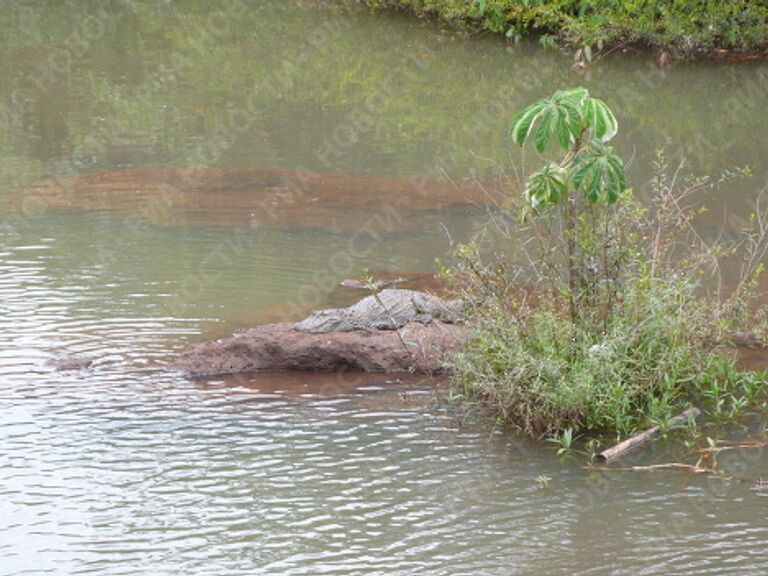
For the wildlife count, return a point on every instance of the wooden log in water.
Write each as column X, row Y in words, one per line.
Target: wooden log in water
column 644, row 438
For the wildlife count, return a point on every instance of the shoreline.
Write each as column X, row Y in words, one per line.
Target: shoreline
column 560, row 37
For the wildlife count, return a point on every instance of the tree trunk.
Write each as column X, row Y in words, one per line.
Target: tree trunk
column 573, row 272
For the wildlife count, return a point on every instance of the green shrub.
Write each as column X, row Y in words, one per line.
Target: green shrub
column 603, row 322
column 543, row 377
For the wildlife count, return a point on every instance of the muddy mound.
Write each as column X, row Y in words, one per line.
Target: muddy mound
column 393, row 331
column 416, row 348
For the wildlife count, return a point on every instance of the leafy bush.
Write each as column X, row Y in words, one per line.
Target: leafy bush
column 686, row 26
column 603, row 322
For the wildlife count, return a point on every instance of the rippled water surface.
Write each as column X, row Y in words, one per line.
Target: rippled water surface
column 175, row 171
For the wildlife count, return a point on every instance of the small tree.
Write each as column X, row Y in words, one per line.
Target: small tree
column 587, row 179
column 630, row 334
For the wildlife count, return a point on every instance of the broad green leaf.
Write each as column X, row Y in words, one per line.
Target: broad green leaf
column 599, row 173
column 600, row 119
column 544, row 131
column 568, row 104
column 521, row 124
column 547, row 187
column 575, row 96
column 574, row 120
column 563, row 115
column 563, row 127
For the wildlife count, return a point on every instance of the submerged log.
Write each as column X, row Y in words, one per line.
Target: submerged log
column 631, row 444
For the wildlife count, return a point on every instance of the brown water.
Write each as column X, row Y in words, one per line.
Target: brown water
column 173, row 171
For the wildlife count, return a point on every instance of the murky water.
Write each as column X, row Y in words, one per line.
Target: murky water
column 174, row 171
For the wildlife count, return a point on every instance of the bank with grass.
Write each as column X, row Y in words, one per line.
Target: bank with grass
column 682, row 28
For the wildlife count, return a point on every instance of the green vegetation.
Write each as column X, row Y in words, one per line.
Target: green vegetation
column 685, row 26
column 603, row 322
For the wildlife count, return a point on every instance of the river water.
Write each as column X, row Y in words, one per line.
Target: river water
column 175, row 171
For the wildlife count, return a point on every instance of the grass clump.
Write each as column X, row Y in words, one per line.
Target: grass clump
column 601, row 319
column 544, row 377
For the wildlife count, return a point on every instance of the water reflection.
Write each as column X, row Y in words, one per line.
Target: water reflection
column 126, row 469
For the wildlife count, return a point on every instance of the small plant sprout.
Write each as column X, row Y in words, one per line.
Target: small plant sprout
column 591, row 449
column 564, row 441
column 692, row 427
column 542, row 482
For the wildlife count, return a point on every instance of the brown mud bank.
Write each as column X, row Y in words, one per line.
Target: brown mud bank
column 393, row 331
column 252, row 197
column 415, row 348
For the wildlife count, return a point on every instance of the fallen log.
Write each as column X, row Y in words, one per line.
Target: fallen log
column 644, row 438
